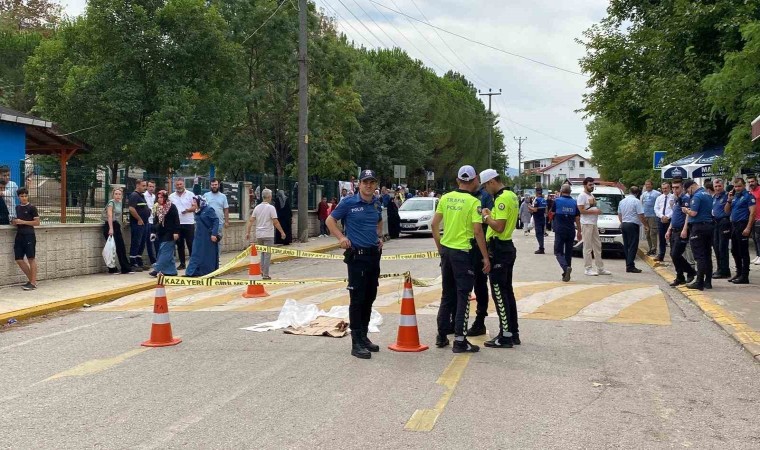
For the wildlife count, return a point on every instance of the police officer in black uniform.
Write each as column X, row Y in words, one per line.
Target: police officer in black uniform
column 363, row 242
column 699, row 226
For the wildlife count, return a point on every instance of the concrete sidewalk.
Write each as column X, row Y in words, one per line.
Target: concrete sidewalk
column 735, row 308
column 75, row 292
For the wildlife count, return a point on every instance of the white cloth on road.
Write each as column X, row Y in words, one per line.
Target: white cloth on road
column 294, row 314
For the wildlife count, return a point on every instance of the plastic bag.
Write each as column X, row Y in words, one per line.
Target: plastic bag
column 109, row 253
column 294, row 314
column 531, row 224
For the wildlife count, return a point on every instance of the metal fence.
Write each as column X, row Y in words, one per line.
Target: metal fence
column 88, row 190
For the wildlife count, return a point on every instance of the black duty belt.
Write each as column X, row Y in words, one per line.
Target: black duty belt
column 366, row 250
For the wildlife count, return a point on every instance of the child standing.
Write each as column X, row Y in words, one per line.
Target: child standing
column 26, row 242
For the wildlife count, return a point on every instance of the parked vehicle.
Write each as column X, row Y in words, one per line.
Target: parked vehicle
column 607, row 199
column 416, row 215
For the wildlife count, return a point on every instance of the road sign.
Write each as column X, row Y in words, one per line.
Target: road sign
column 399, row 171
column 756, row 128
column 657, row 160
column 430, row 175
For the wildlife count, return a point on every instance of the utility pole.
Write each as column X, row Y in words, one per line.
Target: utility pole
column 519, row 141
column 490, row 122
column 303, row 126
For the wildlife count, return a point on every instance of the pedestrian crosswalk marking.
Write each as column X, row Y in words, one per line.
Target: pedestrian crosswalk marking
column 570, row 304
column 652, row 310
column 612, row 303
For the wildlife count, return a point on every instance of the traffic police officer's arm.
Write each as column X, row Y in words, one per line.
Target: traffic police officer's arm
column 497, row 225
column 436, row 227
column 477, row 228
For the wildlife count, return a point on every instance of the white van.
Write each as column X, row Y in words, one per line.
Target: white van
column 607, row 199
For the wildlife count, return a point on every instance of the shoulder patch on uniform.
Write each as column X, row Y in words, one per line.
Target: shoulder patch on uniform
column 502, row 205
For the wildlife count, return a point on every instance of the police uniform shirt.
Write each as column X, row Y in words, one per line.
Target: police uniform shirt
column 679, row 218
column 460, row 209
column 740, row 206
column 565, row 211
column 539, row 203
column 506, row 207
column 702, row 204
column 719, row 202
column 361, row 220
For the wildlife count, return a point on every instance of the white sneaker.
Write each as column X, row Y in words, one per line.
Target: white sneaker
column 590, row 273
column 604, row 272
column 756, row 261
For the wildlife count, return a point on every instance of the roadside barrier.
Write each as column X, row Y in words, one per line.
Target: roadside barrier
column 408, row 339
column 254, row 270
column 161, row 329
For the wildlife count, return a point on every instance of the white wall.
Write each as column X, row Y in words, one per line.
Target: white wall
column 564, row 168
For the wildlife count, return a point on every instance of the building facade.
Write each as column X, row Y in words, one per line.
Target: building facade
column 547, row 170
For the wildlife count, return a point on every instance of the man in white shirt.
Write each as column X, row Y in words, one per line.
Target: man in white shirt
column 8, row 190
column 183, row 200
column 150, row 200
column 218, row 201
column 663, row 209
column 590, row 231
column 631, row 215
column 264, row 215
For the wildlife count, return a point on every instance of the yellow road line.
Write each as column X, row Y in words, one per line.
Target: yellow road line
column 523, row 291
column 96, row 365
column 569, row 305
column 425, row 419
column 651, row 311
column 146, row 299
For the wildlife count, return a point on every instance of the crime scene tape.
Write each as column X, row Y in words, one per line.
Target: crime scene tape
column 229, row 265
column 315, row 255
column 207, row 282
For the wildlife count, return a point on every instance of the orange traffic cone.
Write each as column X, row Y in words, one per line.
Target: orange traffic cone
column 254, row 270
column 408, row 339
column 161, row 330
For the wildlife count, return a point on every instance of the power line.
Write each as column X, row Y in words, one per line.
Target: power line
column 421, row 34
column 407, row 38
column 547, row 135
column 478, row 42
column 382, row 44
column 448, row 46
column 346, row 22
column 265, row 22
column 373, row 21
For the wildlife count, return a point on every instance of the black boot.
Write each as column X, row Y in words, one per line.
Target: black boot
column 368, row 344
column 464, row 346
column 516, row 338
column 698, row 283
column 441, row 341
column 678, row 282
column 478, row 327
column 357, row 346
column 500, row 341
column 708, row 281
column 744, row 279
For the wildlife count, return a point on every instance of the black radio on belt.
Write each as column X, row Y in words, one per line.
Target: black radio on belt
column 348, row 255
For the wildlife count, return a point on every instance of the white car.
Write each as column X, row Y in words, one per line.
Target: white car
column 607, row 199
column 416, row 215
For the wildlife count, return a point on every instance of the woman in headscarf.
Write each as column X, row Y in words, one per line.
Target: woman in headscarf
column 166, row 223
column 205, row 256
column 285, row 216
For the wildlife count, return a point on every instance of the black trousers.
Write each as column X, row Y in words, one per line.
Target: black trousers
column 481, row 282
column 700, row 239
column 540, row 225
column 458, row 280
column 721, row 237
column 186, row 233
column 503, row 256
column 363, row 276
column 662, row 230
column 121, row 249
column 677, row 249
column 630, row 242
column 756, row 236
column 740, row 248
column 563, row 248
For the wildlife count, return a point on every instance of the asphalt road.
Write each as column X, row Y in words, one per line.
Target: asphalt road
column 599, row 368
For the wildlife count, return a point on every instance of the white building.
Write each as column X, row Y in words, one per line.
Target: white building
column 573, row 167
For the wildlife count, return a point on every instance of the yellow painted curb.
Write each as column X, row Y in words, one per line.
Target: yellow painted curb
column 736, row 328
column 107, row 296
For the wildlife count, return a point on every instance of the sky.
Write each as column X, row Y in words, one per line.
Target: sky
column 537, row 102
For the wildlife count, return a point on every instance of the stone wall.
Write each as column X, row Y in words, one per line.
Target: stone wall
column 67, row 250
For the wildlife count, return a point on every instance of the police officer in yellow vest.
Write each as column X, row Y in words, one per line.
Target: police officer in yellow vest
column 459, row 211
column 501, row 223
